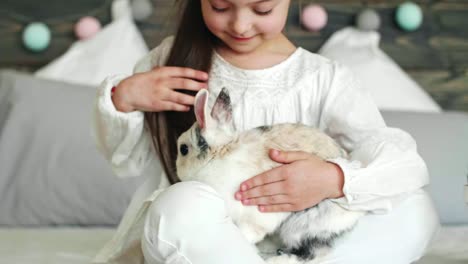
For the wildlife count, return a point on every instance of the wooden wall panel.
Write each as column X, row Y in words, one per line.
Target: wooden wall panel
column 436, row 55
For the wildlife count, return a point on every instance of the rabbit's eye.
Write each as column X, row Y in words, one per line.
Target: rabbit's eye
column 183, row 149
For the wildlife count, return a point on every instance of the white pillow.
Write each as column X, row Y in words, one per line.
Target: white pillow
column 389, row 85
column 114, row 50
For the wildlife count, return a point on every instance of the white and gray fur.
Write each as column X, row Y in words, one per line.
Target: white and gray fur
column 211, row 151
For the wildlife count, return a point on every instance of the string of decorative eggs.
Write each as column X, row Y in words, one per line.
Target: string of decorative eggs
column 408, row 16
column 36, row 36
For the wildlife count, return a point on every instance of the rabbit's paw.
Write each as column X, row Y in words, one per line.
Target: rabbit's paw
column 284, row 259
column 253, row 234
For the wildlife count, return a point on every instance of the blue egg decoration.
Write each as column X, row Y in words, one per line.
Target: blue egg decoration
column 36, row 36
column 409, row 16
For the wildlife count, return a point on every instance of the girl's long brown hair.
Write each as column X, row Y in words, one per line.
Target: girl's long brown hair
column 193, row 48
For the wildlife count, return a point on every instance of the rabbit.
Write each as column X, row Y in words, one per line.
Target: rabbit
column 213, row 152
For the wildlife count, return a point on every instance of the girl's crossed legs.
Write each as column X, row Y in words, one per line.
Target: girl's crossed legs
column 188, row 223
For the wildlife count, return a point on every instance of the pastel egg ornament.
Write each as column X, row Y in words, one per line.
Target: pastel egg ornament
column 141, row 9
column 314, row 17
column 368, row 20
column 36, row 36
column 87, row 27
column 409, row 16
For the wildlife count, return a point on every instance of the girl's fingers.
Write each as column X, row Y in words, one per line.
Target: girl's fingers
column 275, row 188
column 183, row 72
column 277, row 208
column 180, row 98
column 171, row 106
column 186, row 84
column 273, row 175
column 166, row 100
column 288, row 156
column 267, row 200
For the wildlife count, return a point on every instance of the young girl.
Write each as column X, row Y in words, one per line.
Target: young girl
column 239, row 44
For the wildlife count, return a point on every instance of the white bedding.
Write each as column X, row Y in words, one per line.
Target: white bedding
column 449, row 247
column 79, row 245
column 51, row 245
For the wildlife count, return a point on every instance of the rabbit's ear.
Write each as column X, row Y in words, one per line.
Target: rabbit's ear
column 200, row 107
column 222, row 109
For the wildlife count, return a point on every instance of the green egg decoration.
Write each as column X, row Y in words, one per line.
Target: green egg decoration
column 36, row 36
column 409, row 16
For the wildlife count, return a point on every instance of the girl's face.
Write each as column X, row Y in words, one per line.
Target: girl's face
column 244, row 25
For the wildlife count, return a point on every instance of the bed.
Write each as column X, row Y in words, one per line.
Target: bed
column 59, row 199
column 54, row 246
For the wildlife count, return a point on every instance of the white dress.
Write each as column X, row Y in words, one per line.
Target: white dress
column 383, row 168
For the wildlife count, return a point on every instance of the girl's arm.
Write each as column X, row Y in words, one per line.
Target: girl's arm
column 383, row 164
column 121, row 137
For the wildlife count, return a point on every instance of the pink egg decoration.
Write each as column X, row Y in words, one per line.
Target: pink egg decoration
column 314, row 17
column 87, row 27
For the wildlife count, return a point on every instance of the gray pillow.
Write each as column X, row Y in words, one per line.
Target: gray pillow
column 442, row 140
column 50, row 170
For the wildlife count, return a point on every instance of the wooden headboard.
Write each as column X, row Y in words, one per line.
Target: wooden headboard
column 436, row 55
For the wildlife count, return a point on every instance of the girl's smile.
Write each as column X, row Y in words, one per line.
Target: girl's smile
column 242, row 39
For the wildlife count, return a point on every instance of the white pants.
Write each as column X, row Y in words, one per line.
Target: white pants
column 188, row 223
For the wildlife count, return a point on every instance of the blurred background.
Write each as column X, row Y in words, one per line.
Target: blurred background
column 59, row 198
column 435, row 55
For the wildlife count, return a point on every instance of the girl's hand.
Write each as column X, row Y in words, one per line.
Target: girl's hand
column 304, row 181
column 155, row 90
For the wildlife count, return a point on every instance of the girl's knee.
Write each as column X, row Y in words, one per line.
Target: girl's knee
column 422, row 225
column 188, row 204
column 400, row 237
column 416, row 223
